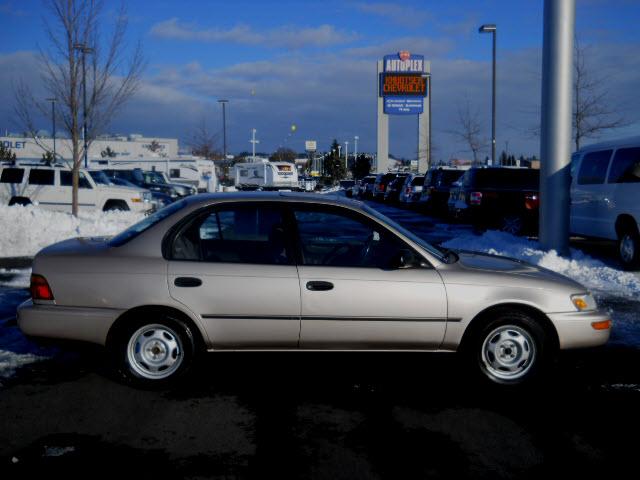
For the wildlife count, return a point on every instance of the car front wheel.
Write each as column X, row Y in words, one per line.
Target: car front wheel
column 629, row 249
column 509, row 350
column 155, row 352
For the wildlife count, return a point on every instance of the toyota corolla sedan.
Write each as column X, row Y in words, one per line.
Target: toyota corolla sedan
column 286, row 271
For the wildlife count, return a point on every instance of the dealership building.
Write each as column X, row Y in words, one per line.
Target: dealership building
column 124, row 147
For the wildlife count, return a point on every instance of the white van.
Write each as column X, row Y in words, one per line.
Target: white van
column 605, row 195
column 266, row 176
column 50, row 188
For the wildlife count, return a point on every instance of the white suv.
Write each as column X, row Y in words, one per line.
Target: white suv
column 50, row 188
column 605, row 193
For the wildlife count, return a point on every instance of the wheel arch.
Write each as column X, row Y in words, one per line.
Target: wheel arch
column 147, row 310
column 115, row 202
column 625, row 221
column 19, row 200
column 476, row 324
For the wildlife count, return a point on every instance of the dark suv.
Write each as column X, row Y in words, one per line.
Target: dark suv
column 381, row 184
column 498, row 197
column 153, row 181
column 435, row 192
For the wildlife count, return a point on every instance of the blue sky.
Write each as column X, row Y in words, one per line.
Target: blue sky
column 312, row 63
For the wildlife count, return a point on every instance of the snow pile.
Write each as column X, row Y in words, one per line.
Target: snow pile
column 586, row 270
column 26, row 230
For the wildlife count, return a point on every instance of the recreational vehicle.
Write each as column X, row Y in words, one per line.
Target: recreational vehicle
column 265, row 176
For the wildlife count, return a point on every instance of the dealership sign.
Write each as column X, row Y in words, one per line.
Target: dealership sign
column 403, row 84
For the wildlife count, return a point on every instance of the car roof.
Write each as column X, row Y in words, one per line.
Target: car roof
column 325, row 199
column 612, row 144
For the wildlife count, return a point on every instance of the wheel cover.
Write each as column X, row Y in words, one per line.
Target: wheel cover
column 508, row 352
column 155, row 352
column 627, row 248
column 512, row 224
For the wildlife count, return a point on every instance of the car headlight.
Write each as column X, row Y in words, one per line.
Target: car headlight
column 584, row 301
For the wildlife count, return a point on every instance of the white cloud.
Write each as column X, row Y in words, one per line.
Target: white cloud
column 396, row 13
column 286, row 36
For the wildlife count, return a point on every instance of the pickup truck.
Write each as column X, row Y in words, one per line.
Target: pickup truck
column 505, row 198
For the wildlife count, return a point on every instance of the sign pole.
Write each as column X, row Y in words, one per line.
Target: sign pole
column 382, row 156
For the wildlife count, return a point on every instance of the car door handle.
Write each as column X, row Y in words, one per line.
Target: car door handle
column 319, row 286
column 187, row 282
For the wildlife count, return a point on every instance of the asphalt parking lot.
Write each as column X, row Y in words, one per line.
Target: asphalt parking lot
column 311, row 415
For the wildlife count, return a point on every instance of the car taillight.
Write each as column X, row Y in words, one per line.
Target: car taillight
column 408, row 190
column 531, row 201
column 40, row 289
column 381, row 187
column 475, row 198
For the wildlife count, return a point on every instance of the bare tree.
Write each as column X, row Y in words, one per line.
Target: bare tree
column 469, row 130
column 204, row 143
column 593, row 111
column 111, row 79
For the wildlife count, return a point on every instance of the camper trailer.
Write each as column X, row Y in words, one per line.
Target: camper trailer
column 265, row 175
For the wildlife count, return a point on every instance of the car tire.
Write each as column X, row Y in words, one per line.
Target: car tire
column 19, row 201
column 511, row 349
column 629, row 248
column 154, row 352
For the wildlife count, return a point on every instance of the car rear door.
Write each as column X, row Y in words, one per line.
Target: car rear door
column 352, row 296
column 232, row 266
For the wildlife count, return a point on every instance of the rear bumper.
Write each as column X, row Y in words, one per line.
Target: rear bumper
column 67, row 323
column 575, row 329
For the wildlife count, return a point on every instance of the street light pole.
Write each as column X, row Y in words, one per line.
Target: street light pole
column 253, row 142
column 224, row 128
column 355, row 147
column 346, row 155
column 491, row 28
column 84, row 49
column 53, row 101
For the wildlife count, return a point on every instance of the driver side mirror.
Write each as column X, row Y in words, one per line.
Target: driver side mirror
column 405, row 258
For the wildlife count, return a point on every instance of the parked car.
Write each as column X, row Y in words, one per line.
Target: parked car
column 50, row 188
column 153, row 181
column 412, row 188
column 498, row 197
column 158, row 199
column 364, row 187
column 224, row 272
column 380, row 185
column 347, row 185
column 435, row 191
column 605, row 196
column 394, row 187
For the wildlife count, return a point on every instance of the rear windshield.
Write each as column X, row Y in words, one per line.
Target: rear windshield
column 145, row 224
column 506, row 178
column 368, row 179
column 417, row 180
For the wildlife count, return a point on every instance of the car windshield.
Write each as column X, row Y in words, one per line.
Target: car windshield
column 437, row 252
column 100, row 177
column 154, row 177
column 145, row 224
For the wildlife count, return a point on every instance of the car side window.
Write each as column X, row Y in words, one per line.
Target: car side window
column 594, row 167
column 12, row 175
column 41, row 177
column 253, row 234
column 66, row 179
column 626, row 166
column 331, row 237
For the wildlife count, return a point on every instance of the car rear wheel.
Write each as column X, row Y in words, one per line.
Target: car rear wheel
column 509, row 350
column 629, row 249
column 155, row 352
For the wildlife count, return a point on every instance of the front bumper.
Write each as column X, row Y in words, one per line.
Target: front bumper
column 575, row 329
column 67, row 323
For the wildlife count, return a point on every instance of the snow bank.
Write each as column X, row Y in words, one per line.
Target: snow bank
column 590, row 272
column 26, row 230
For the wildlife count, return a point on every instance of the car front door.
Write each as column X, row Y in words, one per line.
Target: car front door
column 362, row 286
column 588, row 195
column 232, row 266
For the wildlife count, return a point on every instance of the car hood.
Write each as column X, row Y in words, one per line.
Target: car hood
column 511, row 271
